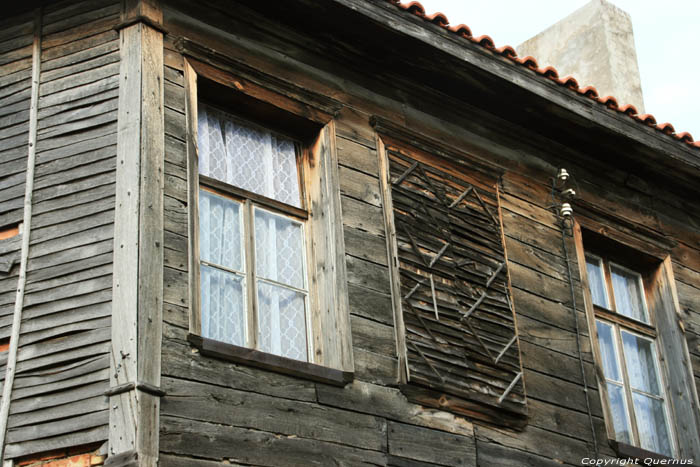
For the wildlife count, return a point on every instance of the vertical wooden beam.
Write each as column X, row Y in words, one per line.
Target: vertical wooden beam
column 192, row 198
column 332, row 341
column 393, row 259
column 138, row 239
column 11, row 365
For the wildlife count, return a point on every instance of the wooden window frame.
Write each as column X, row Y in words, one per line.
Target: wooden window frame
column 660, row 298
column 329, row 343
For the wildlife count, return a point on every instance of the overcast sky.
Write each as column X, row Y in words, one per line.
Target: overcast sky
column 666, row 33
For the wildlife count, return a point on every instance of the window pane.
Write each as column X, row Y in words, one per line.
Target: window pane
column 282, row 321
column 651, row 424
column 607, row 351
column 640, row 359
column 629, row 298
column 247, row 157
column 223, row 306
column 618, row 409
column 596, row 281
column 220, row 231
column 279, row 249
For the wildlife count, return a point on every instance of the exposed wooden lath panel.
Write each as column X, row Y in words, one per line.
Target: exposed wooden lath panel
column 458, row 315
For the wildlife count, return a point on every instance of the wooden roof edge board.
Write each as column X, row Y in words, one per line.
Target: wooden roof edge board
column 388, row 16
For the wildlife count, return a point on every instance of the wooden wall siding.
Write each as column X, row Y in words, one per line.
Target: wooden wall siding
column 460, row 327
column 210, row 416
column 16, row 38
column 62, row 370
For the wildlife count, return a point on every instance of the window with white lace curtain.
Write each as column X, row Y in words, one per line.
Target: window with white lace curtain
column 627, row 341
column 252, row 242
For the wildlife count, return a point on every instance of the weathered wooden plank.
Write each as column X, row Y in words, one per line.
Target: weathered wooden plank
column 368, row 275
column 110, row 55
column 536, row 441
column 180, row 362
column 75, row 94
column 63, row 357
column 89, row 76
column 64, row 261
column 214, row 441
column 562, row 366
column 390, row 403
column 375, row 368
column 66, row 140
column 497, row 455
column 197, row 401
column 54, row 377
column 362, row 216
column 360, row 186
column 103, row 216
column 74, row 413
column 68, row 303
column 85, row 319
column 80, row 31
column 174, row 215
column 80, row 238
column 46, row 348
column 373, row 336
column 370, row 304
column 79, row 438
column 556, row 391
column 364, row 245
column 101, row 200
column 70, row 60
column 57, row 122
column 431, row 445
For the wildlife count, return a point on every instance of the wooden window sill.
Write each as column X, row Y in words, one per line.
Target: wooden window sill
column 627, row 451
column 268, row 361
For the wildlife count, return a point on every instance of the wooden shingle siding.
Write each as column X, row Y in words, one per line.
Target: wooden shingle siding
column 62, row 370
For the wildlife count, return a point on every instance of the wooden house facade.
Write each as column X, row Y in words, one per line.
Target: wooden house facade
column 332, row 233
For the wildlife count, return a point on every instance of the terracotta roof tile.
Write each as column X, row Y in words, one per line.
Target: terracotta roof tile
column 685, row 137
column 528, row 61
column 609, row 101
column 569, row 81
column 589, row 91
column 649, row 119
column 462, row 30
column 629, row 109
column 438, row 18
column 507, row 51
column 550, row 72
column 666, row 128
column 485, row 41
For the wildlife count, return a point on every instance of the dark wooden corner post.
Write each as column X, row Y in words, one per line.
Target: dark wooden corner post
column 138, row 240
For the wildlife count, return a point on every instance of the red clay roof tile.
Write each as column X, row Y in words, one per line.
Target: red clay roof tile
column 462, row 30
column 414, row 7
column 629, row 109
column 438, row 18
column 550, row 72
column 649, row 119
column 569, row 81
column 589, row 91
column 666, row 128
column 529, row 62
column 685, row 137
column 485, row 41
column 609, row 102
column 507, row 51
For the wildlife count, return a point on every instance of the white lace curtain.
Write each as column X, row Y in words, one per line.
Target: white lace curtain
column 260, row 162
column 246, row 157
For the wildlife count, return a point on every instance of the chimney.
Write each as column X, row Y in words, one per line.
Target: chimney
column 594, row 44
